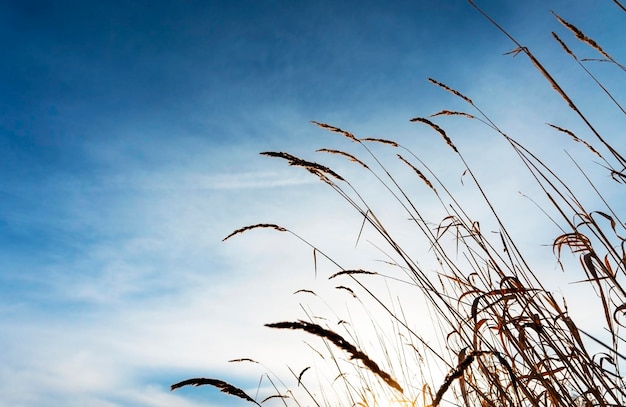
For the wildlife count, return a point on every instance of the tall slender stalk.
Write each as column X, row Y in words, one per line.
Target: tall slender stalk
column 503, row 337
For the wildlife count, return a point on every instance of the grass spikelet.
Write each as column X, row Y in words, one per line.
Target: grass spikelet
column 438, row 130
column 303, row 290
column 302, row 374
column 314, row 168
column 343, row 153
column 341, row 343
column 592, row 76
column 243, row 360
column 419, row 173
column 452, row 113
column 257, row 226
column 554, row 84
column 348, row 289
column 336, row 130
column 575, row 138
column 451, row 377
column 380, row 140
column 449, row 89
column 274, row 396
column 565, row 48
column 582, row 37
column 352, row 272
column 596, row 60
column 223, row 386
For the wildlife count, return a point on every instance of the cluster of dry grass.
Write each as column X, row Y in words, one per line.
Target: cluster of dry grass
column 505, row 338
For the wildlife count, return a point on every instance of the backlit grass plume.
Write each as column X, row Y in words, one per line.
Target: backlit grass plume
column 341, row 343
column 493, row 332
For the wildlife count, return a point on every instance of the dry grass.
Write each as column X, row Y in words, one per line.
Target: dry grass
column 582, row 37
column 503, row 338
column 257, row 226
column 340, row 342
column 223, row 386
column 438, row 129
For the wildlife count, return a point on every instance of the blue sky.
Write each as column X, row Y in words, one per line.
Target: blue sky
column 129, row 134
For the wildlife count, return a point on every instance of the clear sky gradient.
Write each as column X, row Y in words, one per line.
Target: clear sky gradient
column 129, row 134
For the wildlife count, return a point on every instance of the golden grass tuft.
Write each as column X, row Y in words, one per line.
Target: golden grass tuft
column 576, row 138
column 418, row 172
column 452, row 113
column 449, row 89
column 582, row 37
column 438, row 130
column 565, row 47
column 380, row 140
column 335, row 130
column 343, row 153
column 312, row 167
